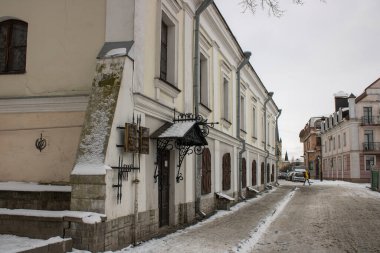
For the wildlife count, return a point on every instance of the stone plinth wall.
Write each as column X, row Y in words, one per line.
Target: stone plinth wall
column 54, row 201
column 88, row 193
column 208, row 204
column 113, row 234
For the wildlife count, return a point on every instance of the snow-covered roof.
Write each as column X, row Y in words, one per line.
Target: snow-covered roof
column 341, row 94
column 177, row 130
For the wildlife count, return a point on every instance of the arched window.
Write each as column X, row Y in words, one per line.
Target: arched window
column 206, row 171
column 272, row 176
column 226, row 165
column 244, row 173
column 262, row 173
column 13, row 38
column 254, row 169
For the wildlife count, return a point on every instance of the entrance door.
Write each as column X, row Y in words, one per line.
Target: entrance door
column 163, row 187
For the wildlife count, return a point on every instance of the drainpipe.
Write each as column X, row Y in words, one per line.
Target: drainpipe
column 196, row 84
column 247, row 55
column 277, row 139
column 270, row 94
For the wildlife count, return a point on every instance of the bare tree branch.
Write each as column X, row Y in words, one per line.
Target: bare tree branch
column 273, row 6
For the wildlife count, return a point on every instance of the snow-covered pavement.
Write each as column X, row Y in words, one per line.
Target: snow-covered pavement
column 242, row 229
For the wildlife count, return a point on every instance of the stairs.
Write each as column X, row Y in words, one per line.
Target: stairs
column 35, row 211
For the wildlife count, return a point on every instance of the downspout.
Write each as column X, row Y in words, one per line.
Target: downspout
column 247, row 55
column 196, row 84
column 277, row 140
column 270, row 94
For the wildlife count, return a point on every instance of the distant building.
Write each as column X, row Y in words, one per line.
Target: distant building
column 351, row 136
column 310, row 137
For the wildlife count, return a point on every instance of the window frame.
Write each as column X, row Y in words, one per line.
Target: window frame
column 366, row 164
column 9, row 48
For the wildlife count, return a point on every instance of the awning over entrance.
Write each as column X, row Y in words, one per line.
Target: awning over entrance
column 187, row 133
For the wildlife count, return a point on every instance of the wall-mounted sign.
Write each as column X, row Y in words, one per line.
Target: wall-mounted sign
column 131, row 138
column 144, row 140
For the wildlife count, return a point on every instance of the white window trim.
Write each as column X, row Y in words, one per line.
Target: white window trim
column 204, row 47
column 171, row 9
column 226, row 72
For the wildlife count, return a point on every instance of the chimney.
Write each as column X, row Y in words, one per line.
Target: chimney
column 351, row 106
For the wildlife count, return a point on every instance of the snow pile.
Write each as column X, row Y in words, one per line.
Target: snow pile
column 87, row 217
column 32, row 187
column 116, row 52
column 12, row 243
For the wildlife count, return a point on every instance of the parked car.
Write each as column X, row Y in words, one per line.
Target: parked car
column 299, row 176
column 289, row 175
column 282, row 175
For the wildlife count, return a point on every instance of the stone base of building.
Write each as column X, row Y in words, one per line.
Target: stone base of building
column 120, row 232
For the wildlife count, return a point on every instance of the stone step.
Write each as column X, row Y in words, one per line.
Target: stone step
column 17, row 195
column 28, row 245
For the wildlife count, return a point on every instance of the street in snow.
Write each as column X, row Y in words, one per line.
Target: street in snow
column 328, row 216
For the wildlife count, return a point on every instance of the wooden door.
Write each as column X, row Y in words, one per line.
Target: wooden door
column 163, row 187
column 206, row 171
column 244, row 173
column 226, row 165
column 254, row 180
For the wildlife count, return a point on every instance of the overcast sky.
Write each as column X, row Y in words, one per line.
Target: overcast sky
column 313, row 51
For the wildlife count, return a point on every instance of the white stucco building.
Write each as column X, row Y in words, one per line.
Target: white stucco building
column 83, row 69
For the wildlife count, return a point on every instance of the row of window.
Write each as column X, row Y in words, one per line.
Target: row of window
column 226, row 172
column 166, row 68
column 332, row 143
column 13, row 43
column 370, row 163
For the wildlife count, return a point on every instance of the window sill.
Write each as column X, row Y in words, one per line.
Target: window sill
column 243, row 133
column 226, row 123
column 204, row 110
column 166, row 87
column 13, row 73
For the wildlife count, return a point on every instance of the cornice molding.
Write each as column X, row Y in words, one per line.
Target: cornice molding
column 168, row 89
column 152, row 107
column 44, row 104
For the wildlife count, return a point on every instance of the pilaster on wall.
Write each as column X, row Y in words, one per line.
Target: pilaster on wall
column 88, row 176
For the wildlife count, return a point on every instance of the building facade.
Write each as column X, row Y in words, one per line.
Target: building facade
column 349, row 137
column 98, row 96
column 310, row 137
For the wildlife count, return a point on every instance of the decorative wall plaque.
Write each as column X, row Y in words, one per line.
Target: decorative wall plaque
column 131, row 138
column 144, row 140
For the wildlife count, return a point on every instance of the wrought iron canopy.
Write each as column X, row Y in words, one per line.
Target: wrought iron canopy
column 187, row 133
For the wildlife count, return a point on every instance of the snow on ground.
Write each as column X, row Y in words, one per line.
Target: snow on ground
column 32, row 187
column 10, row 243
column 87, row 217
column 258, row 232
